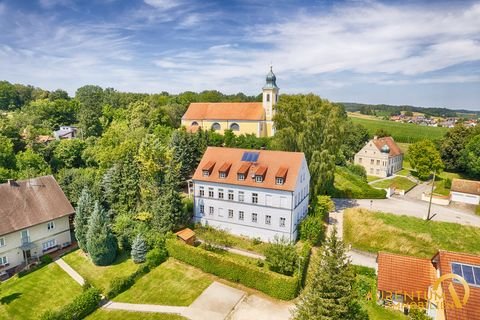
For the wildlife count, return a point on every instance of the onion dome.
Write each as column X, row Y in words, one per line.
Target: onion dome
column 271, row 80
column 385, row 149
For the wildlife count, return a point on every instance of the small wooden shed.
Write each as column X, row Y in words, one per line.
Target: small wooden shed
column 186, row 235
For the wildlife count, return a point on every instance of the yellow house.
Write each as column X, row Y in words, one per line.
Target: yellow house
column 240, row 117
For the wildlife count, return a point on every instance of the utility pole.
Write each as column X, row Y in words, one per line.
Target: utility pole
column 431, row 196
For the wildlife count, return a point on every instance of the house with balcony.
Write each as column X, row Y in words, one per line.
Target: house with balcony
column 36, row 219
column 253, row 193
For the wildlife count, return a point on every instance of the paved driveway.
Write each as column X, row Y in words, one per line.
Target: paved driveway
column 411, row 207
column 256, row 307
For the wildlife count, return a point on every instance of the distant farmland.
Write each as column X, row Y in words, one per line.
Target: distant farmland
column 402, row 132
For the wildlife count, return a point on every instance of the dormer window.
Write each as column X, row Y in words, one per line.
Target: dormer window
column 208, row 168
column 260, row 174
column 223, row 175
column 224, row 169
column 241, row 176
column 258, row 178
column 206, row 173
column 282, row 174
column 279, row 180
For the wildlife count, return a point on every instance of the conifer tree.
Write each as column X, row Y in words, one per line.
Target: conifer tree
column 139, row 249
column 168, row 212
column 101, row 243
column 329, row 293
column 82, row 214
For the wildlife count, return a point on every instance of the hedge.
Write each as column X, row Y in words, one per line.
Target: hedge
column 271, row 283
column 304, row 261
column 82, row 306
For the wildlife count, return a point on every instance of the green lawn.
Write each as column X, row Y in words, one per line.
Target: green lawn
column 238, row 242
column 402, row 132
column 372, row 178
column 102, row 314
column 349, row 185
column 376, row 312
column 172, row 283
column 33, row 294
column 100, row 276
column 398, row 182
column 375, row 231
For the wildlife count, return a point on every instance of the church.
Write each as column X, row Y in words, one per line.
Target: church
column 240, row 117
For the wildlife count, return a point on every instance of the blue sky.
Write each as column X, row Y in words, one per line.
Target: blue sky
column 424, row 53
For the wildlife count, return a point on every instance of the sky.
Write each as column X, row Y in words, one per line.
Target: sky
column 423, row 53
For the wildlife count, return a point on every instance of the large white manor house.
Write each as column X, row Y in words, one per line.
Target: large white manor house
column 255, row 193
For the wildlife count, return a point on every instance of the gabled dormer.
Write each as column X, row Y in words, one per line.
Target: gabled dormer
column 208, row 168
column 260, row 174
column 224, row 170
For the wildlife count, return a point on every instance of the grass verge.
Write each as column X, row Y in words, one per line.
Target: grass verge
column 33, row 294
column 376, row 231
column 102, row 314
column 397, row 182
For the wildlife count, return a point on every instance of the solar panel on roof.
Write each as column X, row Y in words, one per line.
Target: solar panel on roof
column 250, row 156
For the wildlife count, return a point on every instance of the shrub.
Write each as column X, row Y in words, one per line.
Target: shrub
column 362, row 270
column 304, row 260
column 273, row 284
column 216, row 239
column 46, row 259
column 477, row 210
column 256, row 241
column 312, row 229
column 139, row 249
column 119, row 285
column 364, row 285
column 417, row 314
column 447, row 183
column 281, row 256
column 79, row 308
column 358, row 170
column 156, row 256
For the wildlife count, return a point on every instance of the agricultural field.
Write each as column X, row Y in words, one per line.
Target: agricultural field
column 376, row 231
column 401, row 132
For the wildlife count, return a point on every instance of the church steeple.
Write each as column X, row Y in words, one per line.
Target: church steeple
column 270, row 95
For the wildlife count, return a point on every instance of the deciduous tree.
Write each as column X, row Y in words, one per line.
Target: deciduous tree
column 471, row 156
column 425, row 158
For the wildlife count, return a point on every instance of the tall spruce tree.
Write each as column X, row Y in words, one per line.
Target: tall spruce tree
column 82, row 214
column 168, row 211
column 329, row 293
column 101, row 243
column 139, row 249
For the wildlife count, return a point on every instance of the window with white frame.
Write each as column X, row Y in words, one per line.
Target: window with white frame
column 210, row 192
column 241, row 215
column 258, row 178
column 50, row 225
column 268, row 219
column 278, row 180
column 241, row 196
column 470, row 273
column 254, row 217
column 3, row 260
column 2, row 242
column 220, row 193
column 282, row 222
column 230, row 213
column 206, row 173
column 223, row 175
column 230, row 195
column 202, row 209
column 49, row 244
column 240, row 176
column 254, row 197
column 210, row 210
column 202, row 191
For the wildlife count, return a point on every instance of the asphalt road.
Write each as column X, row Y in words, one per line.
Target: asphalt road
column 411, row 207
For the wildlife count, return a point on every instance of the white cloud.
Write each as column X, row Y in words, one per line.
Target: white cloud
column 164, row 4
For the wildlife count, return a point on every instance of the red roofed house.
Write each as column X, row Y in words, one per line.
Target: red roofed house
column 256, row 193
column 406, row 281
column 36, row 218
column 380, row 157
column 240, row 117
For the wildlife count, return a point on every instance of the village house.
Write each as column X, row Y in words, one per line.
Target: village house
column 240, row 117
column 465, row 191
column 36, row 218
column 405, row 281
column 66, row 132
column 380, row 157
column 255, row 193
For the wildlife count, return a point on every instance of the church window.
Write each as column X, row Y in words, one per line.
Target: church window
column 234, row 127
column 216, row 126
column 194, row 123
column 268, row 97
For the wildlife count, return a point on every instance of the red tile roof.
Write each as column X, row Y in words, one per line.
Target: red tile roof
column 225, row 167
column 471, row 310
column 466, row 186
column 273, row 160
column 282, row 172
column 225, row 111
column 394, row 149
column 30, row 202
column 261, row 171
column 209, row 166
column 404, row 274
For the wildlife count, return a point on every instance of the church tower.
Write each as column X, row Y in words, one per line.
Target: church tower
column 270, row 95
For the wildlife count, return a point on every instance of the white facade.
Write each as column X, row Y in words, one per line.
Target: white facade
column 33, row 242
column 253, row 211
column 465, row 197
column 378, row 163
